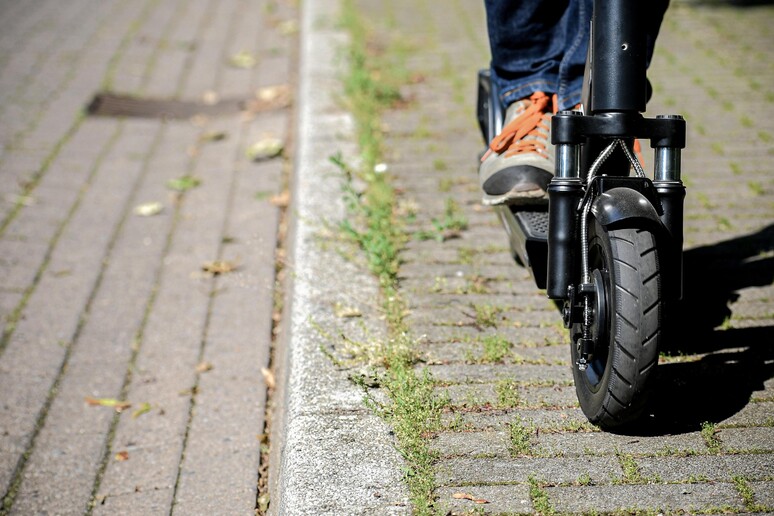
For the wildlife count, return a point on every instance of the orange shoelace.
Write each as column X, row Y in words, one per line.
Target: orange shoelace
column 512, row 140
column 638, row 151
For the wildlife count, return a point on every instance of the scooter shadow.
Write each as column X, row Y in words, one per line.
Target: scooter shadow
column 734, row 362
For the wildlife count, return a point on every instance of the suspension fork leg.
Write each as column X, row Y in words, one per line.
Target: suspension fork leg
column 564, row 194
column 671, row 192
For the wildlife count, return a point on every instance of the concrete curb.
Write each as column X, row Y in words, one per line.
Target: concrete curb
column 330, row 454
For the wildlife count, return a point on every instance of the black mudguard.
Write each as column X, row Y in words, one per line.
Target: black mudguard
column 620, row 204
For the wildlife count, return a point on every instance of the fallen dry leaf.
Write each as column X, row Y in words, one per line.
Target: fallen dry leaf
column 210, row 97
column 288, row 27
column 122, row 456
column 119, row 406
column 268, row 98
column 281, row 200
column 268, row 377
column 203, row 367
column 265, row 148
column 466, row 496
column 344, row 311
column 273, row 93
column 148, row 209
column 213, row 136
column 216, row 267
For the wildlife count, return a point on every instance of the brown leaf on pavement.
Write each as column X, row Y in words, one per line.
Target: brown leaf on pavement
column 466, row 496
column 122, row 456
column 281, row 200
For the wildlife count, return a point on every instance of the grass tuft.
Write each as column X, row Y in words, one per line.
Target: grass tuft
column 710, row 435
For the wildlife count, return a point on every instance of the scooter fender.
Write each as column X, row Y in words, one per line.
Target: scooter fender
column 624, row 204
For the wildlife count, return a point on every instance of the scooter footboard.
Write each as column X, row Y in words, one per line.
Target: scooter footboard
column 528, row 238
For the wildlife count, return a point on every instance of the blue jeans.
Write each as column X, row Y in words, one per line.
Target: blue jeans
column 540, row 45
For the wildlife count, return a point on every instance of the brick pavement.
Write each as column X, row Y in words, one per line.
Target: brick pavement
column 713, row 65
column 99, row 302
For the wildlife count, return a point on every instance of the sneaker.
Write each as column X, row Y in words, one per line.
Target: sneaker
column 519, row 163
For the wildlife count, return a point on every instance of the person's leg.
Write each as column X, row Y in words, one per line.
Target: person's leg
column 540, row 45
column 538, row 50
column 531, row 41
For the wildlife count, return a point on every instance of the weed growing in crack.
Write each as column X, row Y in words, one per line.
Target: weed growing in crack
column 539, row 497
column 487, row 315
column 496, row 348
column 507, row 392
column 520, row 438
column 710, row 435
column 449, row 226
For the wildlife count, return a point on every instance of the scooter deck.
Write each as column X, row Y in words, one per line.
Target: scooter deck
column 527, row 229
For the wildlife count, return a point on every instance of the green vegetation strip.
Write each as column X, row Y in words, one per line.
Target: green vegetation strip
column 376, row 227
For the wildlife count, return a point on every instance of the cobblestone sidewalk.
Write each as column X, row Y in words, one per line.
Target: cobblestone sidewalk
column 514, row 435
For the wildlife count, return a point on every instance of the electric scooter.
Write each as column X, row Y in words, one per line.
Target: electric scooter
column 608, row 246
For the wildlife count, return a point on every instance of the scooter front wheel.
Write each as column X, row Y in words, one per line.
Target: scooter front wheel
column 614, row 387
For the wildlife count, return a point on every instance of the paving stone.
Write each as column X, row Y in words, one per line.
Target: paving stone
column 609, row 443
column 472, row 395
column 680, row 469
column 441, row 353
column 520, row 337
column 693, row 497
column 471, row 444
column 155, row 500
column 756, row 466
column 508, row 499
column 491, row 373
column 752, row 415
column 501, row 419
column 750, row 438
column 519, row 303
column 466, row 315
column 764, row 493
column 468, row 470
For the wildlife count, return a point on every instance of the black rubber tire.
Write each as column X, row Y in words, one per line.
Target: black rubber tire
column 614, row 389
